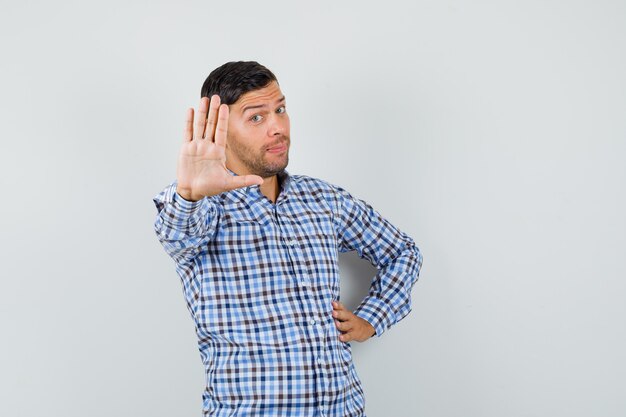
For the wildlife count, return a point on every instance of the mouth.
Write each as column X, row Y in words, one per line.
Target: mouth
column 278, row 148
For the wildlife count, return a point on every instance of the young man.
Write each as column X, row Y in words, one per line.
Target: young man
column 256, row 250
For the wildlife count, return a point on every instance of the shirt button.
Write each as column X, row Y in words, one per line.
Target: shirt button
column 293, row 242
column 320, row 361
column 312, row 322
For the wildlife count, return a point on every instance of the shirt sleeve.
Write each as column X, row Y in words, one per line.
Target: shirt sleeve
column 398, row 260
column 184, row 228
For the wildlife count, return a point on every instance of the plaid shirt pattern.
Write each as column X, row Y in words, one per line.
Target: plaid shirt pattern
column 258, row 279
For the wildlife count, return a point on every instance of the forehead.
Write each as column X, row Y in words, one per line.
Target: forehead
column 266, row 95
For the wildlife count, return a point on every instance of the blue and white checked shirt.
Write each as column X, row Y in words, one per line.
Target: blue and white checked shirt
column 259, row 279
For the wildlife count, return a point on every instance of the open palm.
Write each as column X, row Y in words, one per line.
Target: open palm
column 201, row 168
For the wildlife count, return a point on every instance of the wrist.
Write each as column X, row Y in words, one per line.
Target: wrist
column 187, row 194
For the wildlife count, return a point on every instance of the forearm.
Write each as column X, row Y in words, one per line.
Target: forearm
column 389, row 297
column 183, row 226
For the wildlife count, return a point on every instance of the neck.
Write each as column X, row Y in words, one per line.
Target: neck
column 270, row 188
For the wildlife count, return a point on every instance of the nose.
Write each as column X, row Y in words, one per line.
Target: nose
column 278, row 125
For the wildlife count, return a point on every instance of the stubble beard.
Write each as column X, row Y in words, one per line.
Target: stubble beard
column 255, row 161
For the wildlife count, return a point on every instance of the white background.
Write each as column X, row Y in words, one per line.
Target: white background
column 492, row 132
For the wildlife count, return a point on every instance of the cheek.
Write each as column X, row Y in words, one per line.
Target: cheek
column 239, row 131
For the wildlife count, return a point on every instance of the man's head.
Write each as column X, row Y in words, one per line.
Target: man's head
column 258, row 126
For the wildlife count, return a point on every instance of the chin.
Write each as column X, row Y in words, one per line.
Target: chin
column 274, row 169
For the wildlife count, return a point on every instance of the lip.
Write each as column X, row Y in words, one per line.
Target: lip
column 277, row 149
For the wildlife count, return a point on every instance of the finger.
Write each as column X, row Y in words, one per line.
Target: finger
column 342, row 315
column 188, row 133
column 338, row 306
column 240, row 181
column 221, row 129
column 198, row 130
column 214, row 105
column 346, row 337
column 344, row 326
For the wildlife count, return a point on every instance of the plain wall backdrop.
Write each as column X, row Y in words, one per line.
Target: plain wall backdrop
column 492, row 132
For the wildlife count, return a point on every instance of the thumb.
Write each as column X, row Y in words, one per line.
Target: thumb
column 240, row 181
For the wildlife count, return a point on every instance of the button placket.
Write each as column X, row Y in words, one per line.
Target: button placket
column 301, row 276
column 322, row 377
column 296, row 256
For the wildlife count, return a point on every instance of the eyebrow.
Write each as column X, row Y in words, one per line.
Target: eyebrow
column 257, row 106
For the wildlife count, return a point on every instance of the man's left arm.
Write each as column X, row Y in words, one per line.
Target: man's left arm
column 398, row 261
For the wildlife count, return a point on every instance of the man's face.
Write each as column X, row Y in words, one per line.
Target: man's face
column 258, row 133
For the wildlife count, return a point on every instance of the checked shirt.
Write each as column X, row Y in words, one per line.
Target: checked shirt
column 259, row 278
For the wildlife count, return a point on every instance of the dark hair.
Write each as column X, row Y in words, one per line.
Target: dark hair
column 233, row 79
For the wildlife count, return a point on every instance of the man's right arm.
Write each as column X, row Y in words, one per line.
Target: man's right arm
column 187, row 213
column 184, row 227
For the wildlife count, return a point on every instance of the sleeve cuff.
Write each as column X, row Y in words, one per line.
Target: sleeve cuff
column 170, row 196
column 183, row 205
column 177, row 215
column 377, row 313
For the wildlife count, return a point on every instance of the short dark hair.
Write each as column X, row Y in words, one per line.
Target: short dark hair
column 233, row 79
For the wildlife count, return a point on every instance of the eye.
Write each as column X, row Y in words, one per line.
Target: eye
column 281, row 109
column 256, row 118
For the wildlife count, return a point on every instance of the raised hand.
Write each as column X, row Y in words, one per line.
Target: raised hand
column 201, row 167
